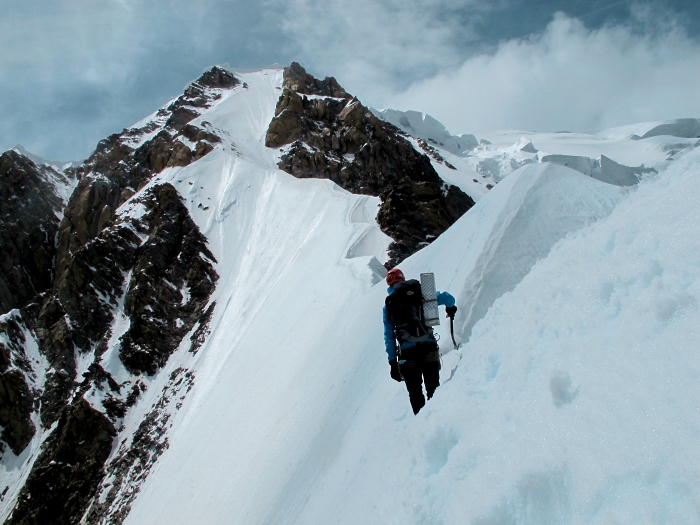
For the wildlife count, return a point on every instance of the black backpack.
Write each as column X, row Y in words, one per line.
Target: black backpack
column 404, row 308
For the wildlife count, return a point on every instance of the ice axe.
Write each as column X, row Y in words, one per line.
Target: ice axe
column 451, row 311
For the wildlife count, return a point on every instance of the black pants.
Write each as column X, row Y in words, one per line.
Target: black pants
column 420, row 362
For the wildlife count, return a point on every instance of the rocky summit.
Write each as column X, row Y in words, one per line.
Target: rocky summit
column 324, row 132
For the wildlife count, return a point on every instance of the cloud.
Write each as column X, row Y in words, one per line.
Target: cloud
column 568, row 77
column 378, row 46
column 75, row 72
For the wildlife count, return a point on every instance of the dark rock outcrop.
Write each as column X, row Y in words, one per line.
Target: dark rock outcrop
column 434, row 154
column 133, row 461
column 174, row 260
column 16, row 404
column 92, row 257
column 29, row 209
column 331, row 135
column 78, row 313
column 171, row 279
column 16, row 399
column 297, row 79
column 66, row 474
column 414, row 213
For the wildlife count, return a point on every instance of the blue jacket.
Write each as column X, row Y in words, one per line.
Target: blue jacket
column 443, row 298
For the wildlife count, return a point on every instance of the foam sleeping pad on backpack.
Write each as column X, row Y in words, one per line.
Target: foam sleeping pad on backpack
column 431, row 314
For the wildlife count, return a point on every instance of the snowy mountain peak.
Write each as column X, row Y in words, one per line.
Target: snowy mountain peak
column 203, row 341
column 322, row 132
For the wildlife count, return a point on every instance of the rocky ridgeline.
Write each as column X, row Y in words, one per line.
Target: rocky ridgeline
column 67, row 280
column 159, row 268
column 67, row 472
column 324, row 132
column 124, row 162
column 434, row 154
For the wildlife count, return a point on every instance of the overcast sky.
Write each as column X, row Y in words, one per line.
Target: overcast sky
column 75, row 71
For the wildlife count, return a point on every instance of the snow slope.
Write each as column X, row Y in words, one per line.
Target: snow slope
column 574, row 400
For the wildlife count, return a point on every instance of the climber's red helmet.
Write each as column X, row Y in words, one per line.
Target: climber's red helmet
column 394, row 276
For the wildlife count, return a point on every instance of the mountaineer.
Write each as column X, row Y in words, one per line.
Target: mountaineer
column 416, row 357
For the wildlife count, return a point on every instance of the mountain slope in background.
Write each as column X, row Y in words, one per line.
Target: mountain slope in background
column 209, row 347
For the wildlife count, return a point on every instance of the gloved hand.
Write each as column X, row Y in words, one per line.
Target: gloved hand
column 395, row 374
column 451, row 311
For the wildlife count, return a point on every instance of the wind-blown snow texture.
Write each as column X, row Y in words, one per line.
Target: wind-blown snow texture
column 574, row 398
